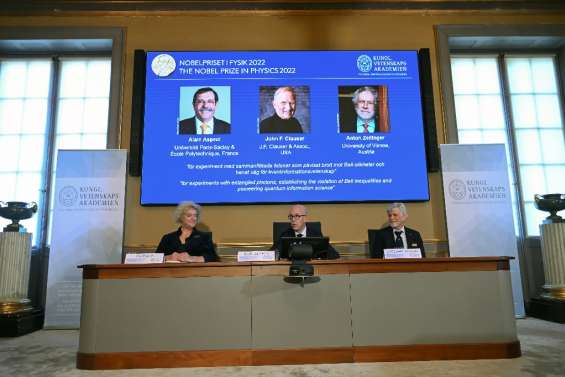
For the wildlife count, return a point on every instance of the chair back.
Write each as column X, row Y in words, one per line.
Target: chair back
column 372, row 233
column 280, row 227
column 213, row 243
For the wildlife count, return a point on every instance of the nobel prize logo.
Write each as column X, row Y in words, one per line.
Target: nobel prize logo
column 163, row 65
column 457, row 189
column 68, row 196
column 364, row 63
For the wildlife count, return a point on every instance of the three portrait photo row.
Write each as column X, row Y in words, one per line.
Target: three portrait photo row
column 284, row 109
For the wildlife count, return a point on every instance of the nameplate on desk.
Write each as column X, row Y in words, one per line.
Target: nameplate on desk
column 256, row 256
column 144, row 258
column 402, row 253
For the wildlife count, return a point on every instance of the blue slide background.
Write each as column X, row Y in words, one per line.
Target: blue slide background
column 247, row 167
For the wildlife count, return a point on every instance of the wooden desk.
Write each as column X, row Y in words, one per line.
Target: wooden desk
column 217, row 314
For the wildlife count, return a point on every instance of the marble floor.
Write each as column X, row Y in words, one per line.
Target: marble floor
column 48, row 353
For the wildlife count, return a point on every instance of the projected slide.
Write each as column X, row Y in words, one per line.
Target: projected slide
column 282, row 126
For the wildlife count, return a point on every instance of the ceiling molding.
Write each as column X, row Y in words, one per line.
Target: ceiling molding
column 43, row 7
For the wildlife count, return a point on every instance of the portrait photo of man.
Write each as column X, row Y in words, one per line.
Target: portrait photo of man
column 205, row 102
column 284, row 109
column 363, row 109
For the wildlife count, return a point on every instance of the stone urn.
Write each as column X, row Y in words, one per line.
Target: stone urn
column 16, row 211
column 551, row 203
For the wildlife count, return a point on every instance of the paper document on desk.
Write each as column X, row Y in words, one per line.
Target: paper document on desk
column 402, row 253
column 143, row 258
column 256, row 256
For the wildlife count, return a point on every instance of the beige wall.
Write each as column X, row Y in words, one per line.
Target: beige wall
column 280, row 30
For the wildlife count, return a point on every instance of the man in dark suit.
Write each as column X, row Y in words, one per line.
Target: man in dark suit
column 365, row 102
column 283, row 120
column 396, row 235
column 297, row 217
column 203, row 122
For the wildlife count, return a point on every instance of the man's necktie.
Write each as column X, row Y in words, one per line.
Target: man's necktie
column 204, row 128
column 398, row 240
column 365, row 127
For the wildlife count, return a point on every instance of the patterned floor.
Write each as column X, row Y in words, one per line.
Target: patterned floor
column 52, row 353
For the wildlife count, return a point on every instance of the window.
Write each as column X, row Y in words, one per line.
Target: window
column 45, row 105
column 514, row 99
column 82, row 116
column 24, row 102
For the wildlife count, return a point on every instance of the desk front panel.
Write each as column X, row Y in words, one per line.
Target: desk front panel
column 157, row 316
column 432, row 308
column 292, row 315
column 165, row 314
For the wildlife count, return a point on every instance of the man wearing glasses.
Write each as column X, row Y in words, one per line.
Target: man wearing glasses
column 298, row 228
column 203, row 122
column 365, row 105
column 396, row 235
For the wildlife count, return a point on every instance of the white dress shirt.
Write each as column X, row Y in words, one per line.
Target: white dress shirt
column 403, row 236
column 302, row 232
column 210, row 129
column 361, row 129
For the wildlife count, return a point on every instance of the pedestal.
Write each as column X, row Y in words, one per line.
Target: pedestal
column 551, row 305
column 553, row 252
column 17, row 316
column 21, row 323
column 547, row 309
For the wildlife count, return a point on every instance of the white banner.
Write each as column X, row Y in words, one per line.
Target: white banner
column 88, row 226
column 478, row 206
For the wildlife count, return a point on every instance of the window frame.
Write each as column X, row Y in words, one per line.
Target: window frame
column 55, row 43
column 63, row 41
column 501, row 56
column 502, row 39
column 514, row 39
column 504, row 34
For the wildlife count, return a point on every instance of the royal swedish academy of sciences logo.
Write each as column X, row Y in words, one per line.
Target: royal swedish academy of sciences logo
column 457, row 189
column 364, row 63
column 68, row 196
column 163, row 65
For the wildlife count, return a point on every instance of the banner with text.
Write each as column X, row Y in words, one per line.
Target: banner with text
column 88, row 223
column 478, row 206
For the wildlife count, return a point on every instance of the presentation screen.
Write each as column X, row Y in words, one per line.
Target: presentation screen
column 282, row 126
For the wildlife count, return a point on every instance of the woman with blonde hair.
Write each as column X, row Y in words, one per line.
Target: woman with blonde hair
column 187, row 244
